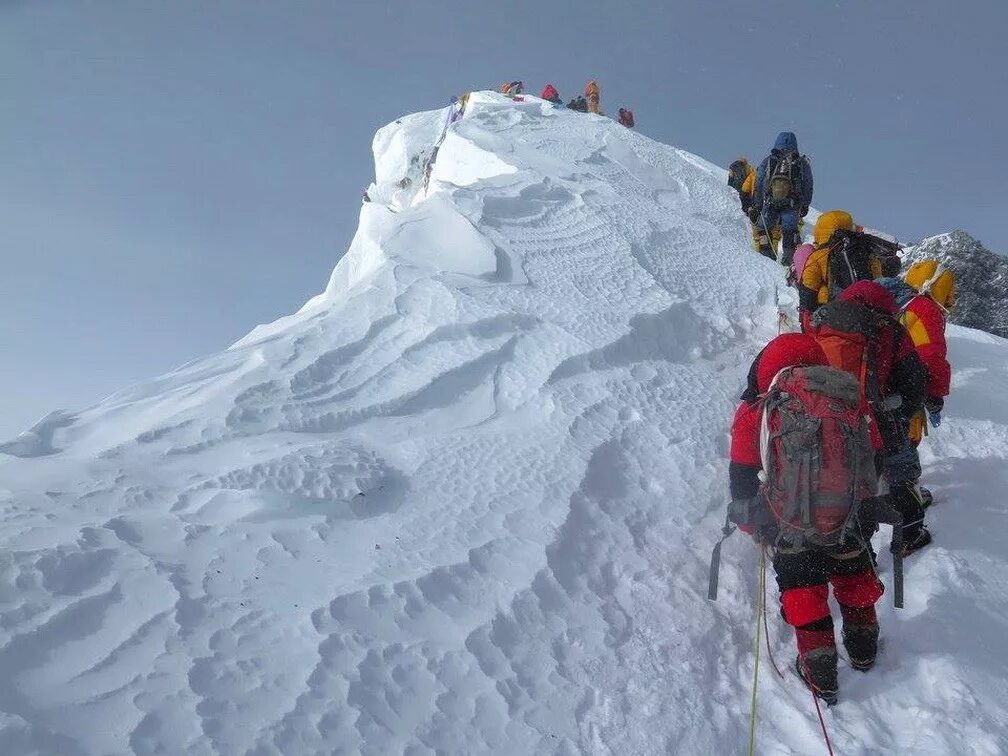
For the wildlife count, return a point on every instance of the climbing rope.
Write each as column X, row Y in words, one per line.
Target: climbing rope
column 756, row 651
column 766, row 628
column 818, row 708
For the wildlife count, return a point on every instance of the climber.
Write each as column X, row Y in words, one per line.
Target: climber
column 783, row 194
column 924, row 295
column 512, row 88
column 842, row 255
column 626, row 118
column 801, row 256
column 742, row 178
column 592, row 93
column 859, row 333
column 550, row 94
column 579, row 103
column 805, row 567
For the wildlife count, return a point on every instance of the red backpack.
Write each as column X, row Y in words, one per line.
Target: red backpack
column 851, row 334
column 550, row 93
column 818, row 459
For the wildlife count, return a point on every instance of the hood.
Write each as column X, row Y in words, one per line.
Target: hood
column 902, row 291
column 786, row 141
column 831, row 221
column 872, row 295
column 787, row 350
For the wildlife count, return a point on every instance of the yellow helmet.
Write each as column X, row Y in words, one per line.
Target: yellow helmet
column 829, row 222
column 930, row 277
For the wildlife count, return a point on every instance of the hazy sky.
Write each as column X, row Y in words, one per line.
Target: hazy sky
column 176, row 172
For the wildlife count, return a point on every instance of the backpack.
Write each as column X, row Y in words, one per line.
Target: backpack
column 849, row 333
column 550, row 93
column 737, row 173
column 817, row 455
column 850, row 259
column 785, row 178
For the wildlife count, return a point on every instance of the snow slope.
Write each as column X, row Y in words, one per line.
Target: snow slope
column 463, row 501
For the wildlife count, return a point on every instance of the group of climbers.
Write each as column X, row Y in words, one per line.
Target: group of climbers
column 824, row 442
column 589, row 102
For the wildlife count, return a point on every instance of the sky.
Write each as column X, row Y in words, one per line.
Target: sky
column 176, row 172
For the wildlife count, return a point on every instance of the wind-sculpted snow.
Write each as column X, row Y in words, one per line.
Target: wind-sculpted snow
column 463, row 500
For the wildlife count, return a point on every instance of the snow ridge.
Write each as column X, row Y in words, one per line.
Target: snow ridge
column 463, row 500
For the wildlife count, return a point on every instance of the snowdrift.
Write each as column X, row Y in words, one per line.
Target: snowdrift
column 463, row 500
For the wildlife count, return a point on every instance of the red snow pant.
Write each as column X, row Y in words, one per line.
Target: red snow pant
column 804, row 577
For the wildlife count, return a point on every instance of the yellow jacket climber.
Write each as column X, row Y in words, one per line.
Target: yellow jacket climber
column 814, row 287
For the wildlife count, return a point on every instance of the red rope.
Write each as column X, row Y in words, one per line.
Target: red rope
column 822, row 722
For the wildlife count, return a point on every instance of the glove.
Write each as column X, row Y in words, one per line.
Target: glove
column 934, row 406
column 803, row 212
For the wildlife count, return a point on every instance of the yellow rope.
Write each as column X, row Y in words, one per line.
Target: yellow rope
column 756, row 649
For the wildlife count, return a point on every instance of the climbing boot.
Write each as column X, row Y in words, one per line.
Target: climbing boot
column 819, row 671
column 908, row 502
column 915, row 539
column 765, row 249
column 861, row 643
column 817, row 658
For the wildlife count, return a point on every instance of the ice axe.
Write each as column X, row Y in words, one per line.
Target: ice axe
column 880, row 509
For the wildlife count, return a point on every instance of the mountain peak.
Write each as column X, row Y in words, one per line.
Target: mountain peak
column 981, row 279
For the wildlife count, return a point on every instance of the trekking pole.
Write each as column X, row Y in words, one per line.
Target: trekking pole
column 715, row 561
column 897, row 561
column 882, row 510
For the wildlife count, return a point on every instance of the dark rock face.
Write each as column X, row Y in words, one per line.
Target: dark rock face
column 981, row 279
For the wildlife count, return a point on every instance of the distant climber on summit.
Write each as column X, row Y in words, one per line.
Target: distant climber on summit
column 512, row 88
column 579, row 103
column 783, row 195
column 592, row 93
column 550, row 94
column 626, row 118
